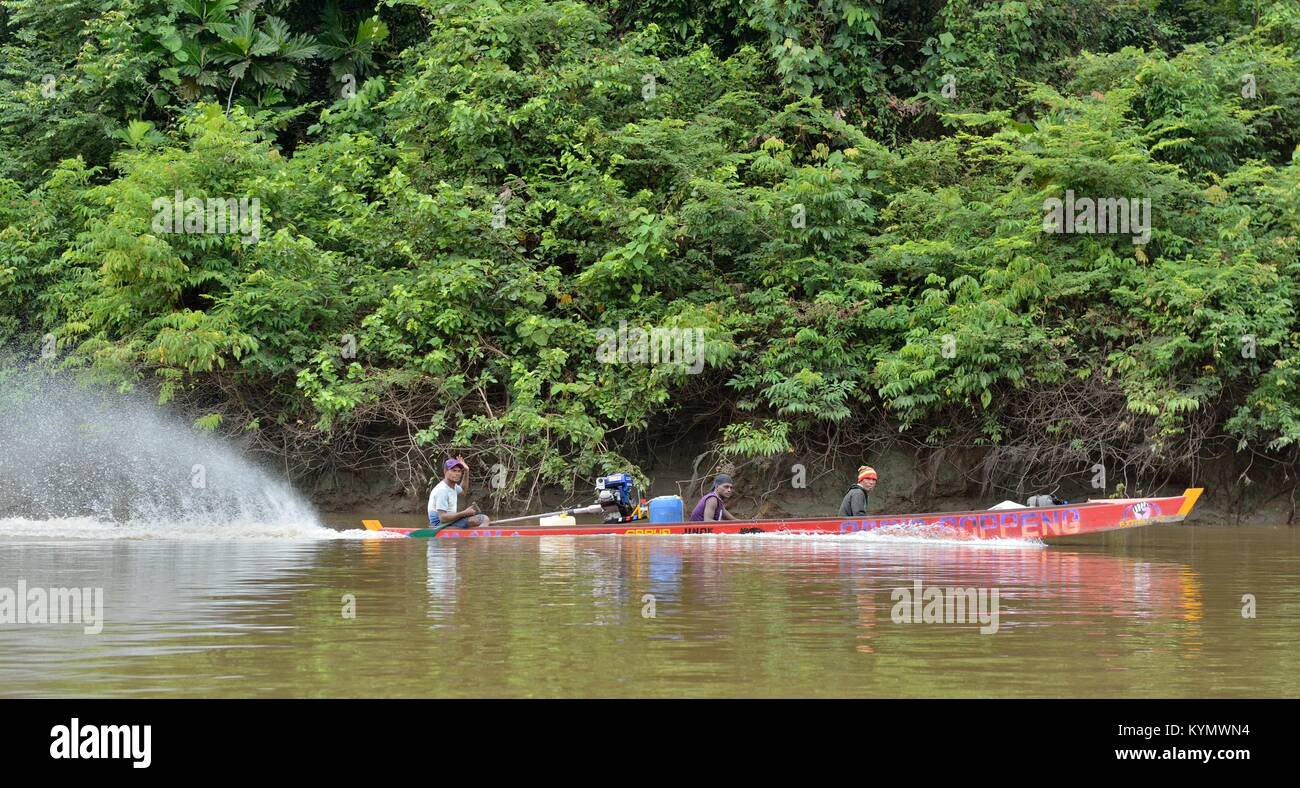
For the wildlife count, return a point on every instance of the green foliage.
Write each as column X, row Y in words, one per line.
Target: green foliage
column 440, row 253
column 212, row 34
column 352, row 54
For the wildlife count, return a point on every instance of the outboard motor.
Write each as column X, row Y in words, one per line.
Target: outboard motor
column 1039, row 501
column 618, row 497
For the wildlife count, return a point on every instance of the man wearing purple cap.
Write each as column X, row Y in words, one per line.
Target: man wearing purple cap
column 442, row 501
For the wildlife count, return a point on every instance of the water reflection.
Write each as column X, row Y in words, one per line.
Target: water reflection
column 1083, row 585
column 441, row 583
column 1038, row 586
column 567, row 616
column 160, row 598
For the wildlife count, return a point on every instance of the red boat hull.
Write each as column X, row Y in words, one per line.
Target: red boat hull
column 1051, row 522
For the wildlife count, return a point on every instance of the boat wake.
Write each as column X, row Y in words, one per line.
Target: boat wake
column 903, row 536
column 77, row 463
column 907, row 535
column 75, row 528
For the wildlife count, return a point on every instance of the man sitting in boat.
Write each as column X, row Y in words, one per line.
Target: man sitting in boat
column 713, row 505
column 855, row 500
column 442, row 501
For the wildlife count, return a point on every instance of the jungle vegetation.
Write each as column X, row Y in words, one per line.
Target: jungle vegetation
column 847, row 198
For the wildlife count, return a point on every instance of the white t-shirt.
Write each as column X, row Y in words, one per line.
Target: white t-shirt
column 443, row 498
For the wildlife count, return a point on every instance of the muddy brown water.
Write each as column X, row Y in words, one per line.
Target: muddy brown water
column 1156, row 612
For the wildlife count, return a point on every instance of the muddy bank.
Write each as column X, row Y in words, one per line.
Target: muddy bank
column 909, row 482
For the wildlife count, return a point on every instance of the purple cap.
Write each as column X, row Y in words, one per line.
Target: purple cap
column 452, row 463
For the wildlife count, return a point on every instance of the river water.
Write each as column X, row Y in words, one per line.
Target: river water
column 333, row 612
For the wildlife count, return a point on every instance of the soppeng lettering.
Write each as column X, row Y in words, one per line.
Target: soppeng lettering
column 121, row 742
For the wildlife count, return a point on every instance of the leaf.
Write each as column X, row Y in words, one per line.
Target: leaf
column 208, row 423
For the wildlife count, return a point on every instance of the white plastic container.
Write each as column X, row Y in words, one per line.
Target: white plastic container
column 558, row 519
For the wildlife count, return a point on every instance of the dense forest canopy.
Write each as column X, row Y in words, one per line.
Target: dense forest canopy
column 881, row 218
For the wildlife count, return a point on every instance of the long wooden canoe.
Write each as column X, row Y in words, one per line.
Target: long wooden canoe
column 1047, row 522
